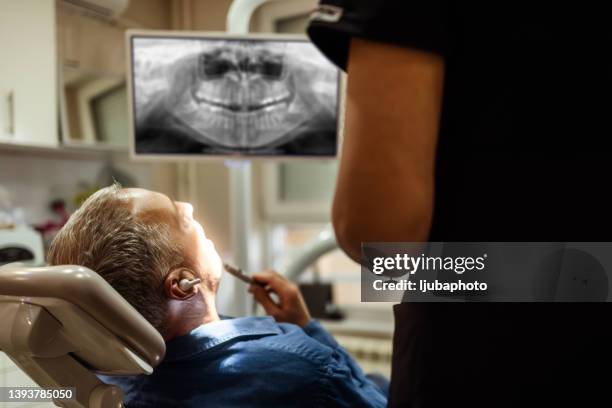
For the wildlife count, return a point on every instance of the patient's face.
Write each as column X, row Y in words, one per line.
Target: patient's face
column 188, row 232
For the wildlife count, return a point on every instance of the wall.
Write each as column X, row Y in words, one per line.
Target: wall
column 34, row 180
column 210, row 15
column 153, row 14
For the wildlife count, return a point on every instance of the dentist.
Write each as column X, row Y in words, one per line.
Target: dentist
column 468, row 123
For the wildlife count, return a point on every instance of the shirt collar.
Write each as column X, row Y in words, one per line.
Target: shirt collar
column 213, row 334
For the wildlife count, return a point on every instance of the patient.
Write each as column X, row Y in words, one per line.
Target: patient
column 143, row 244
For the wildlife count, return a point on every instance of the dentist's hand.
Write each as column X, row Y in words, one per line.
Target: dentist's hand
column 290, row 308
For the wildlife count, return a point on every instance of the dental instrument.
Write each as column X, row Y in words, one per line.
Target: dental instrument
column 187, row 284
column 239, row 273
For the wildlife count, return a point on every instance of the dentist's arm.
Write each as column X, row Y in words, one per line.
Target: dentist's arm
column 385, row 183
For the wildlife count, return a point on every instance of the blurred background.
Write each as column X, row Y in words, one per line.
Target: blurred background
column 64, row 134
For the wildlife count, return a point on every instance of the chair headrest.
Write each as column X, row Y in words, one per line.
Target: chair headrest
column 104, row 328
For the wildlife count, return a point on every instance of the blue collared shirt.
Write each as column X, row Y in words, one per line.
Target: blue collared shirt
column 250, row 362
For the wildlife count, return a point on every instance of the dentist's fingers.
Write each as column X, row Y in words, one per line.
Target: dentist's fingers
column 263, row 298
column 277, row 283
column 290, row 307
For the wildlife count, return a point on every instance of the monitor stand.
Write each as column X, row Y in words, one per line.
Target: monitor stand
column 241, row 197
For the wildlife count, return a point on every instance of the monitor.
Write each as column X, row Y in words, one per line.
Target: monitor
column 217, row 95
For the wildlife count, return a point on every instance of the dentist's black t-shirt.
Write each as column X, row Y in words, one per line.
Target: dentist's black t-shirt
column 524, row 155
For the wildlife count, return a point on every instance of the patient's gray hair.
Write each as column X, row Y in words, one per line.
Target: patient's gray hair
column 131, row 254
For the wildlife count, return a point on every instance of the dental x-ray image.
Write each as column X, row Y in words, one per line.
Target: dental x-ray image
column 229, row 96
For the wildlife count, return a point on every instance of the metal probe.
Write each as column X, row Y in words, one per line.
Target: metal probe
column 186, row 284
column 238, row 273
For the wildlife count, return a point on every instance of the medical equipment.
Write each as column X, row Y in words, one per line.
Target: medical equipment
column 21, row 244
column 62, row 325
column 323, row 243
column 187, row 284
column 231, row 96
column 238, row 273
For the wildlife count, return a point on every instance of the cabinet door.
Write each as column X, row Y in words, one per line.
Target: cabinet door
column 28, row 73
column 90, row 45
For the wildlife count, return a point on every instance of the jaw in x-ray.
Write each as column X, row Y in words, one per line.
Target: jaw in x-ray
column 235, row 95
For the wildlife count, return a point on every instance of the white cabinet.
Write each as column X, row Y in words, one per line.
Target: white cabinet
column 28, row 73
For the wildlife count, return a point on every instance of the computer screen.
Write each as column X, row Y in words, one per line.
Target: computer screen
column 210, row 95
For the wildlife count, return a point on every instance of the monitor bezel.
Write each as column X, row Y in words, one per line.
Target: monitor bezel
column 144, row 157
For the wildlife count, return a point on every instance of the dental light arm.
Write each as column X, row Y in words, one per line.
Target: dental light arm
column 323, row 243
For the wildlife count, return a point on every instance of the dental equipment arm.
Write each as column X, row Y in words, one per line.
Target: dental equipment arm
column 323, row 243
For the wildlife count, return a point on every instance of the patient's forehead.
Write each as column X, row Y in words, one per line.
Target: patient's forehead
column 145, row 201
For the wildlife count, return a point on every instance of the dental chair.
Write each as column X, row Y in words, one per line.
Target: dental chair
column 62, row 325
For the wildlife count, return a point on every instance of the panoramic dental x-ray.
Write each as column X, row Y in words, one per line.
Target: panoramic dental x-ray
column 233, row 96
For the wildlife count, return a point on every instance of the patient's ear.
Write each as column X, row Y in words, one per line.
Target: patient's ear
column 171, row 284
